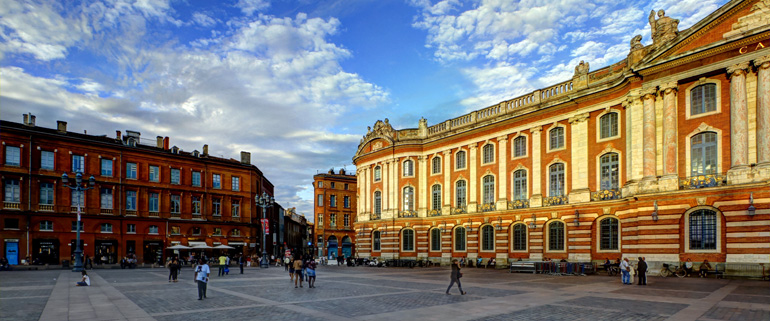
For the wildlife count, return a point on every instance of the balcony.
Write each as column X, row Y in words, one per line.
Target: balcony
column 407, row 214
column 236, row 218
column 154, row 214
column 703, row 181
column 489, row 207
column 555, row 200
column 12, row 205
column 197, row 216
column 105, row 211
column 45, row 208
column 434, row 213
column 216, row 216
column 458, row 210
column 375, row 216
column 605, row 195
column 176, row 214
column 130, row 212
column 517, row 204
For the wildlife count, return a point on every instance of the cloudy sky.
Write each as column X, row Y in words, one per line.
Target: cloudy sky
column 296, row 82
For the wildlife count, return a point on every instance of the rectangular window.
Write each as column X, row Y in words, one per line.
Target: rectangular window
column 106, row 228
column 176, row 230
column 320, row 184
column 74, row 224
column 46, row 194
column 12, row 156
column 236, row 208
column 11, row 224
column 106, row 198
column 333, row 219
column 175, row 203
column 76, row 198
column 78, row 164
column 320, row 220
column 236, row 183
column 332, row 184
column 333, row 200
column 196, row 205
column 320, row 200
column 217, row 231
column 106, row 167
column 346, row 201
column 131, row 200
column 557, row 138
column 46, row 226
column 154, row 174
column 216, row 181
column 435, row 240
column 196, row 231
column 154, row 202
column 520, row 146
column 153, row 229
column 216, row 207
column 131, row 170
column 346, row 187
column 347, row 220
column 46, row 160
column 131, row 228
column 175, row 176
column 196, row 179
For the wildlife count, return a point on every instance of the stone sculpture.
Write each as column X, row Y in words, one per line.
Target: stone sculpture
column 664, row 29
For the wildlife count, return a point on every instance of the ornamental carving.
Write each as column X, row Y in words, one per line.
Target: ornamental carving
column 636, row 43
column 663, row 29
column 581, row 69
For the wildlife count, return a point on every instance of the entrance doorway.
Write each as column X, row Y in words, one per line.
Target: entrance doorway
column 332, row 253
column 45, row 251
column 106, row 252
column 12, row 251
column 347, row 247
column 153, row 252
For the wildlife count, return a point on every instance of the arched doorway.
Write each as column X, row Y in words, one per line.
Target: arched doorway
column 332, row 252
column 347, row 246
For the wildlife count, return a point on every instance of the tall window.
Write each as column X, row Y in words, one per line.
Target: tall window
column 46, row 194
column 377, row 174
column 703, row 230
column 196, row 205
column 346, row 201
column 436, row 165
column 154, row 173
column 435, row 240
column 320, row 199
column 460, row 159
column 131, row 170
column 105, row 198
column 460, row 239
column 106, row 167
column 76, row 198
column 333, row 219
column 216, row 181
column 331, row 184
column 321, row 220
column 333, row 200
column 489, row 189
column 346, row 220
column 460, row 188
column 408, row 198
column 377, row 202
column 608, row 233
column 436, row 197
column 609, row 170
column 703, row 154
column 409, row 168
column 78, row 164
column 320, row 184
column 407, row 240
column 12, row 156
column 235, row 208
column 175, row 176
column 46, row 160
column 520, row 185
column 154, row 202
column 175, row 203
column 46, row 226
column 12, row 191
column 556, row 236
column 376, row 241
column 520, row 146
column 556, row 136
column 346, row 186
column 520, row 237
column 106, row 228
column 487, row 238
column 196, row 179
column 488, row 152
column 703, row 99
column 216, row 206
column 556, row 176
column 609, row 125
column 131, row 200
column 236, row 183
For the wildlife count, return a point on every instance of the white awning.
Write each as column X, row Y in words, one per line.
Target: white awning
column 193, row 244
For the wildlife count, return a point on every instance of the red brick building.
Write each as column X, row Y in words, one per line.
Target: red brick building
column 147, row 197
column 335, row 213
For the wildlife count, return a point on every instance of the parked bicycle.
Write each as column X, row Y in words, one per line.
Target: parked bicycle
column 668, row 271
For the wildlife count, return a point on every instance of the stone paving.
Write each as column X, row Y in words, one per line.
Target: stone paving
column 364, row 293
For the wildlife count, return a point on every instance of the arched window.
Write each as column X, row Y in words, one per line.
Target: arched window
column 460, row 239
column 703, row 99
column 556, row 137
column 519, row 237
column 409, row 168
column 520, row 185
column 609, row 235
column 703, row 154
column 435, row 240
column 703, row 230
column 520, row 146
column 377, row 174
column 556, row 179
column 489, row 153
column 377, row 202
column 436, row 197
column 489, row 189
column 609, row 169
column 436, row 165
column 609, row 125
column 376, row 241
column 556, row 236
column 460, row 188
column 460, row 160
column 408, row 198
column 407, row 240
column 487, row 238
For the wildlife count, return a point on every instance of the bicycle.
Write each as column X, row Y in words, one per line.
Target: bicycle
column 667, row 271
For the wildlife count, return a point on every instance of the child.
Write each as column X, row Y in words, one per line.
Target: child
column 86, row 281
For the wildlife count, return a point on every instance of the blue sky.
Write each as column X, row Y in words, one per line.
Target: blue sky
column 296, row 82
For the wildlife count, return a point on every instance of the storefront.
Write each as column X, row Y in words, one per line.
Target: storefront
column 45, row 251
column 153, row 252
column 106, row 252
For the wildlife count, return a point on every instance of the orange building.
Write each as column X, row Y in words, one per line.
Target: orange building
column 665, row 154
column 147, row 197
column 335, row 213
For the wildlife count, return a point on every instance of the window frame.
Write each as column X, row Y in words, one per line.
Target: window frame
column 376, row 241
column 488, row 153
column 459, row 195
column 47, row 196
column 461, row 160
column 407, row 198
column 435, row 197
column 106, row 198
column 107, row 167
column 153, row 202
column 600, row 233
column 132, row 171
column 703, row 146
column 131, row 195
column 216, row 181
column 235, row 183
column 196, row 176
column 435, row 242
column 52, row 160
column 718, row 221
column 377, row 203
column 9, row 161
column 562, row 237
column 487, row 238
column 518, row 185
column 410, row 233
column 607, row 115
column 562, row 139
column 150, row 230
column 175, row 179
column 562, row 181
column 488, row 189
column 435, row 164
column 82, row 162
column 216, row 206
column 607, row 181
column 516, row 145
column 235, row 208
column 156, row 176
column 515, row 238
column 175, row 204
column 456, row 238
column 377, row 173
column 717, row 99
column 130, row 228
column 407, row 171
column 48, row 226
column 105, row 228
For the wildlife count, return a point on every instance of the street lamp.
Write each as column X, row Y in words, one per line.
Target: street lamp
column 80, row 188
column 264, row 201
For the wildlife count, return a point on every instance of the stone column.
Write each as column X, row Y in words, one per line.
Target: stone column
column 579, row 150
column 739, row 124
column 472, row 163
column 359, row 195
column 395, row 187
column 385, row 184
column 649, row 181
column 536, row 174
column 633, row 156
column 422, row 200
column 367, row 190
column 670, row 179
column 502, row 176
column 763, row 118
column 446, row 202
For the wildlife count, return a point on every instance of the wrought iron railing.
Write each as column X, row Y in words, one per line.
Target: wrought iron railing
column 404, row 214
column 459, row 210
column 512, row 205
column 702, row 181
column 434, row 213
column 375, row 216
column 488, row 207
column 555, row 200
column 606, row 194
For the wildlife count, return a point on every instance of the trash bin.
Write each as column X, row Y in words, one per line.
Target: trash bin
column 65, row 264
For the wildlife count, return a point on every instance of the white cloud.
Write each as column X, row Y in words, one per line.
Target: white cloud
column 249, row 7
column 203, row 19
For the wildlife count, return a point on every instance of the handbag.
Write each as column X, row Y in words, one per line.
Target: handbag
column 196, row 274
column 459, row 275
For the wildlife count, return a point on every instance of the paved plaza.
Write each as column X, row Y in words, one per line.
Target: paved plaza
column 364, row 293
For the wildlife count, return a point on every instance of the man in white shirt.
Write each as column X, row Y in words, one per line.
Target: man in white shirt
column 202, row 278
column 625, row 268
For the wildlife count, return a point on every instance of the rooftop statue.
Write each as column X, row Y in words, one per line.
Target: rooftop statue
column 664, row 29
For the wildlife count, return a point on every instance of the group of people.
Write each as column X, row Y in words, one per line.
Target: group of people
column 703, row 270
column 627, row 270
column 4, row 266
column 301, row 267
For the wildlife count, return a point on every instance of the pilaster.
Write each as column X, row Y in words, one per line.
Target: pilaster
column 739, row 170
column 446, row 198
column 670, row 179
column 649, row 180
column 385, row 184
column 537, row 193
column 634, row 144
column 422, row 203
column 579, row 163
column 502, row 177
column 473, row 164
column 762, row 170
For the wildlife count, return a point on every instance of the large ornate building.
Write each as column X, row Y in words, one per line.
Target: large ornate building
column 146, row 197
column 335, row 213
column 665, row 154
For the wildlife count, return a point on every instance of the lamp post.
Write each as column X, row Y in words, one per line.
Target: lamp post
column 80, row 188
column 264, row 201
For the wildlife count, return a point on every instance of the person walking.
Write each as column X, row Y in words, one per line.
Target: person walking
column 173, row 270
column 286, row 262
column 298, row 272
column 310, row 269
column 222, row 261
column 625, row 269
column 240, row 262
column 202, row 278
column 455, row 277
column 641, row 271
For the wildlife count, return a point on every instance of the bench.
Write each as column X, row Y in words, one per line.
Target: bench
column 521, row 266
column 740, row 270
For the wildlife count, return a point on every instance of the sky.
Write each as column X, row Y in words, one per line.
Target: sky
column 296, row 82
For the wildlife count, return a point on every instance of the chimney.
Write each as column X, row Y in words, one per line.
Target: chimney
column 165, row 143
column 117, row 134
column 206, row 150
column 61, row 126
column 29, row 120
column 159, row 141
column 245, row 158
